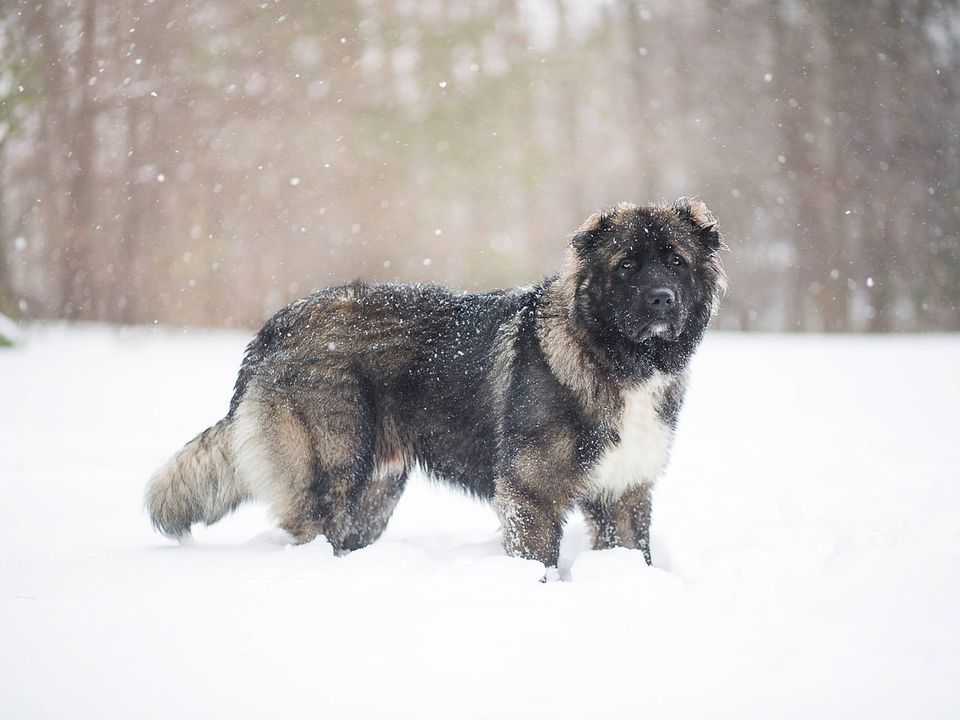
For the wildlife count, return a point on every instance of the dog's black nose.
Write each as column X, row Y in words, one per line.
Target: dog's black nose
column 661, row 298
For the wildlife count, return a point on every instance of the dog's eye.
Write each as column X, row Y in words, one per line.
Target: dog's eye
column 627, row 265
column 676, row 260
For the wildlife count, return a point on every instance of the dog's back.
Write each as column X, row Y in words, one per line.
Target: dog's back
column 339, row 395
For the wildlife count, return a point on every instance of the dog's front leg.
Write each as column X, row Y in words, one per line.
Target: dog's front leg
column 532, row 524
column 621, row 522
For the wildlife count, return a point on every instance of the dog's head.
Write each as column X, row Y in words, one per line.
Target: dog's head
column 649, row 274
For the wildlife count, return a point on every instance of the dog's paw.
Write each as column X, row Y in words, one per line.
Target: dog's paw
column 551, row 574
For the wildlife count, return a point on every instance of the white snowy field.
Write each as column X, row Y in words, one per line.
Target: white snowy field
column 806, row 538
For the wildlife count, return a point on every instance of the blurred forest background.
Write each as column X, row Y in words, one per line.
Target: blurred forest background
column 207, row 161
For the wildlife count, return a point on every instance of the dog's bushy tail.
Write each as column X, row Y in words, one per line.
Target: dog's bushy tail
column 199, row 483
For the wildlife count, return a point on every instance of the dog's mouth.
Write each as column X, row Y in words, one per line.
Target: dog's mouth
column 653, row 329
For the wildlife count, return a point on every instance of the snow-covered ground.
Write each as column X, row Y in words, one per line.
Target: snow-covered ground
column 806, row 537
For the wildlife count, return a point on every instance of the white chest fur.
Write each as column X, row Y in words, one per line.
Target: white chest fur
column 641, row 454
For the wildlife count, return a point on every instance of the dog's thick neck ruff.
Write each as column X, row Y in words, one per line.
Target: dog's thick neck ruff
column 589, row 356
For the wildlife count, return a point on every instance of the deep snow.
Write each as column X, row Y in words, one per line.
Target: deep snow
column 806, row 537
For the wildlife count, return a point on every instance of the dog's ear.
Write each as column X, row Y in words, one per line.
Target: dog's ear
column 588, row 233
column 703, row 221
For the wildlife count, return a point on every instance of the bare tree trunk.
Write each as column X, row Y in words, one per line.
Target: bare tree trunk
column 640, row 132
column 817, row 276
column 49, row 157
column 575, row 209
column 79, row 282
column 6, row 278
column 130, row 240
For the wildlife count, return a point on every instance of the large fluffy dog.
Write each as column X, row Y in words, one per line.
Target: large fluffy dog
column 540, row 399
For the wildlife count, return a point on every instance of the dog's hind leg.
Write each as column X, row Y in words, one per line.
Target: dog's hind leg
column 310, row 456
column 306, row 454
column 338, row 416
column 275, row 459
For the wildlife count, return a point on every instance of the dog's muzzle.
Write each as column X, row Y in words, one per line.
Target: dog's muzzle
column 658, row 316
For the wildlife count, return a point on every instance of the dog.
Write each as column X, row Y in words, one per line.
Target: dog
column 541, row 399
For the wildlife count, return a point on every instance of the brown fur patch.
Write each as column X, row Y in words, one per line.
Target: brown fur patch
column 562, row 340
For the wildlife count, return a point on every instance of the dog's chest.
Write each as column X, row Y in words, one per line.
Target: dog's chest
column 641, row 452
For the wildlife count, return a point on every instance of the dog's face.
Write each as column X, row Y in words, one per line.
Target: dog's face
column 650, row 273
